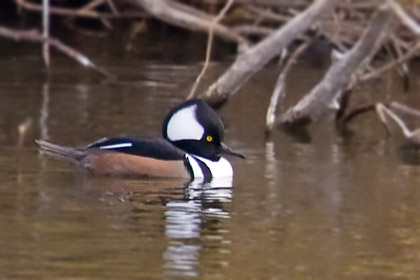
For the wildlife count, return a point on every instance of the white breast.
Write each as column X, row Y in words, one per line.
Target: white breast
column 220, row 168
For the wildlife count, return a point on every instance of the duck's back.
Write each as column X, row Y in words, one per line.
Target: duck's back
column 153, row 157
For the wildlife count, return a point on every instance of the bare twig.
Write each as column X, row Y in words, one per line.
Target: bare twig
column 412, row 136
column 279, row 88
column 379, row 71
column 92, row 5
column 113, row 7
column 403, row 68
column 209, row 47
column 35, row 37
column 77, row 12
column 268, row 14
column 253, row 30
column 46, row 32
column 396, row 106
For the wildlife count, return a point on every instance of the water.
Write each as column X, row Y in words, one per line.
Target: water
column 335, row 207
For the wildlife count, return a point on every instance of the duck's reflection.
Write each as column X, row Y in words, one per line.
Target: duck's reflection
column 188, row 225
column 193, row 233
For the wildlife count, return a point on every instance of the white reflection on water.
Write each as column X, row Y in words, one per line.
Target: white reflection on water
column 185, row 224
column 44, row 115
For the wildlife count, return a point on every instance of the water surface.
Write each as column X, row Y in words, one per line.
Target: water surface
column 334, row 207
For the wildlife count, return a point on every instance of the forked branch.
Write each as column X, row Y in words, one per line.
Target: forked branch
column 412, row 136
column 255, row 58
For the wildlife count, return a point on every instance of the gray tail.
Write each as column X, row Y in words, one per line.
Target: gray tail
column 68, row 154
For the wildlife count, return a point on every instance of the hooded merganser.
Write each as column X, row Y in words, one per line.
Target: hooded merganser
column 191, row 147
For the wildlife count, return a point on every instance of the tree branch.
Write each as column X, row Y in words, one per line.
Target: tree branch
column 217, row 19
column 35, row 37
column 253, row 59
column 187, row 17
column 338, row 76
column 46, row 32
column 76, row 12
column 279, row 88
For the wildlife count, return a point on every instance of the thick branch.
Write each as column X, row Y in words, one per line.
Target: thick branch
column 252, row 60
column 338, row 76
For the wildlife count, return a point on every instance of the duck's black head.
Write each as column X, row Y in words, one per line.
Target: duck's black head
column 197, row 129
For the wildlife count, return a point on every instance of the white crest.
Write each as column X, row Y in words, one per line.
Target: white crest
column 184, row 125
column 116, row 146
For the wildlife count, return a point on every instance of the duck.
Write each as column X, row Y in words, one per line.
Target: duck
column 191, row 147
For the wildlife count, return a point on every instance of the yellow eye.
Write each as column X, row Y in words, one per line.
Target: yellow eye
column 209, row 138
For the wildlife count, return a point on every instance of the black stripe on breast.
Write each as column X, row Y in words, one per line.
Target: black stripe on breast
column 205, row 169
column 188, row 166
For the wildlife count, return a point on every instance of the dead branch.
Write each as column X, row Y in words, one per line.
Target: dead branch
column 113, row 7
column 338, row 77
column 187, row 17
column 253, row 59
column 412, row 136
column 46, row 32
column 396, row 106
column 34, row 37
column 268, row 14
column 355, row 113
column 405, row 19
column 253, row 30
column 412, row 52
column 209, row 47
column 279, row 88
column 92, row 5
column 77, row 12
